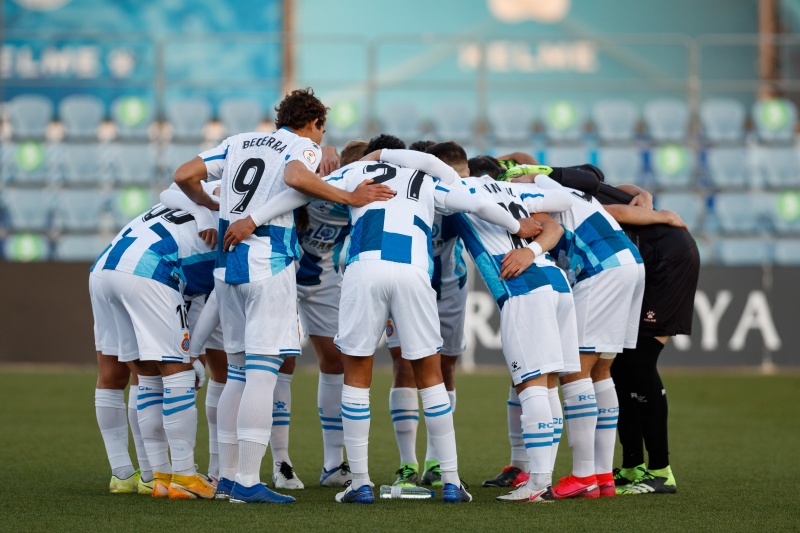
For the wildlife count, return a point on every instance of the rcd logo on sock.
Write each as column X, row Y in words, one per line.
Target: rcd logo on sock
column 587, row 397
column 542, row 425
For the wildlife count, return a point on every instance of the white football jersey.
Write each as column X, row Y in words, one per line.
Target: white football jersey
column 251, row 167
column 593, row 241
column 488, row 243
column 399, row 229
column 322, row 243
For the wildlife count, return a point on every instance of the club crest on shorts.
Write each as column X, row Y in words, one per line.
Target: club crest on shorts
column 389, row 329
column 310, row 156
column 185, row 342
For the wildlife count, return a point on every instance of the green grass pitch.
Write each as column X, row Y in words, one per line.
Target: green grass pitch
column 735, row 444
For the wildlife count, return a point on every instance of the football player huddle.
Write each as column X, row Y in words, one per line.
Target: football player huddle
column 268, row 231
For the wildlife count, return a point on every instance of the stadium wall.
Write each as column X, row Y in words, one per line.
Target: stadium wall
column 743, row 317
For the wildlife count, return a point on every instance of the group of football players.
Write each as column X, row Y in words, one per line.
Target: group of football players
column 248, row 243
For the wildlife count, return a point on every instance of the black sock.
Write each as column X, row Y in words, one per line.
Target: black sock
column 652, row 402
column 628, row 426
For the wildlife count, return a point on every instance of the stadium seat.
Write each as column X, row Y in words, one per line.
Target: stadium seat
column 667, row 119
column 787, row 252
column 346, row 121
column 240, row 116
column 133, row 116
column 511, row 121
column 401, row 119
column 615, row 120
column 673, row 165
column 26, row 247
column 454, row 121
column 739, row 212
column 785, row 212
column 188, row 117
column 129, row 202
column 563, row 120
column 688, row 205
column 28, row 162
column 743, row 252
column 620, row 165
column 176, row 155
column 29, row 115
column 83, row 164
column 80, row 209
column 27, row 209
column 775, row 119
column 134, row 163
column 81, row 115
column 564, row 157
column 722, row 120
column 779, row 166
column 729, row 167
column 79, row 247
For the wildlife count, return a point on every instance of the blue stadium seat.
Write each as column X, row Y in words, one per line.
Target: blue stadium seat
column 240, row 115
column 83, row 164
column 80, row 209
column 27, row 209
column 615, row 120
column 688, row 205
column 133, row 116
column 785, row 212
column 620, row 164
column 134, row 163
column 740, row 212
column 176, row 155
column 79, row 247
column 787, row 252
column 29, row 115
column 775, row 119
column 29, row 162
column 511, row 121
column 81, row 115
column 26, row 247
column 779, row 166
column 563, row 120
column 667, row 119
column 346, row 121
column 130, row 202
column 566, row 156
column 722, row 120
column 401, row 119
column 454, row 121
column 729, row 167
column 188, row 117
column 673, row 165
column 743, row 252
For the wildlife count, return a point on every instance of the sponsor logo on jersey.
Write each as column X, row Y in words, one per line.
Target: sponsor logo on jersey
column 310, row 156
column 185, row 342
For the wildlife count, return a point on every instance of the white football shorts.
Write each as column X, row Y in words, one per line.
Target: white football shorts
column 372, row 291
column 319, row 307
column 150, row 318
column 204, row 323
column 260, row 317
column 105, row 331
column 607, row 307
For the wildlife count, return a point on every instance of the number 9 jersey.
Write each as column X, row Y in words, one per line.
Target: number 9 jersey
column 251, row 167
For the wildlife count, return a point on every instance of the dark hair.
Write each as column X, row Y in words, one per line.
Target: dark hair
column 421, row 146
column 379, row 142
column 484, row 164
column 298, row 108
column 450, row 152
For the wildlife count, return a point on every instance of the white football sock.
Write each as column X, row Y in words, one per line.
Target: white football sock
column 558, row 424
column 580, row 417
column 537, row 433
column 180, row 420
column 355, row 422
column 329, row 406
column 133, row 420
column 109, row 406
column 281, row 417
column 254, row 424
column 149, row 407
column 212, row 402
column 404, row 408
column 439, row 423
column 519, row 458
column 605, row 436
column 227, row 415
column 431, row 456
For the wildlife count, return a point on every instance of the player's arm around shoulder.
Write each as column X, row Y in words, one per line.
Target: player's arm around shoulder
column 207, row 165
column 517, row 261
column 543, row 196
column 334, row 188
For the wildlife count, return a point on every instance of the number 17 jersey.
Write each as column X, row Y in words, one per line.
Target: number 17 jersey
column 251, row 167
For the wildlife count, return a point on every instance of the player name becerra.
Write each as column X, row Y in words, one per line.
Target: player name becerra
column 267, row 141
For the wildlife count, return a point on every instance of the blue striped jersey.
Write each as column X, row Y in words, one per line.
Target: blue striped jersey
column 449, row 268
column 165, row 246
column 593, row 241
column 488, row 243
column 322, row 243
column 100, row 262
column 251, row 167
column 399, row 229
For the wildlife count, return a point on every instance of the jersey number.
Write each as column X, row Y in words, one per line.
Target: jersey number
column 518, row 212
column 183, row 314
column 170, row 215
column 389, row 172
column 247, row 188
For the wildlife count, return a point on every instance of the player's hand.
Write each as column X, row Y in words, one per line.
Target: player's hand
column 366, row 193
column 529, row 228
column 674, row 219
column 209, row 236
column 199, row 372
column 515, row 262
column 643, row 199
column 237, row 232
column 329, row 162
column 526, row 178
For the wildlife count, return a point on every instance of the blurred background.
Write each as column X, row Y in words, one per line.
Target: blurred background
column 695, row 101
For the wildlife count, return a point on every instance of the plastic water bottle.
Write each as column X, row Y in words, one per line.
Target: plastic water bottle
column 413, row 493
